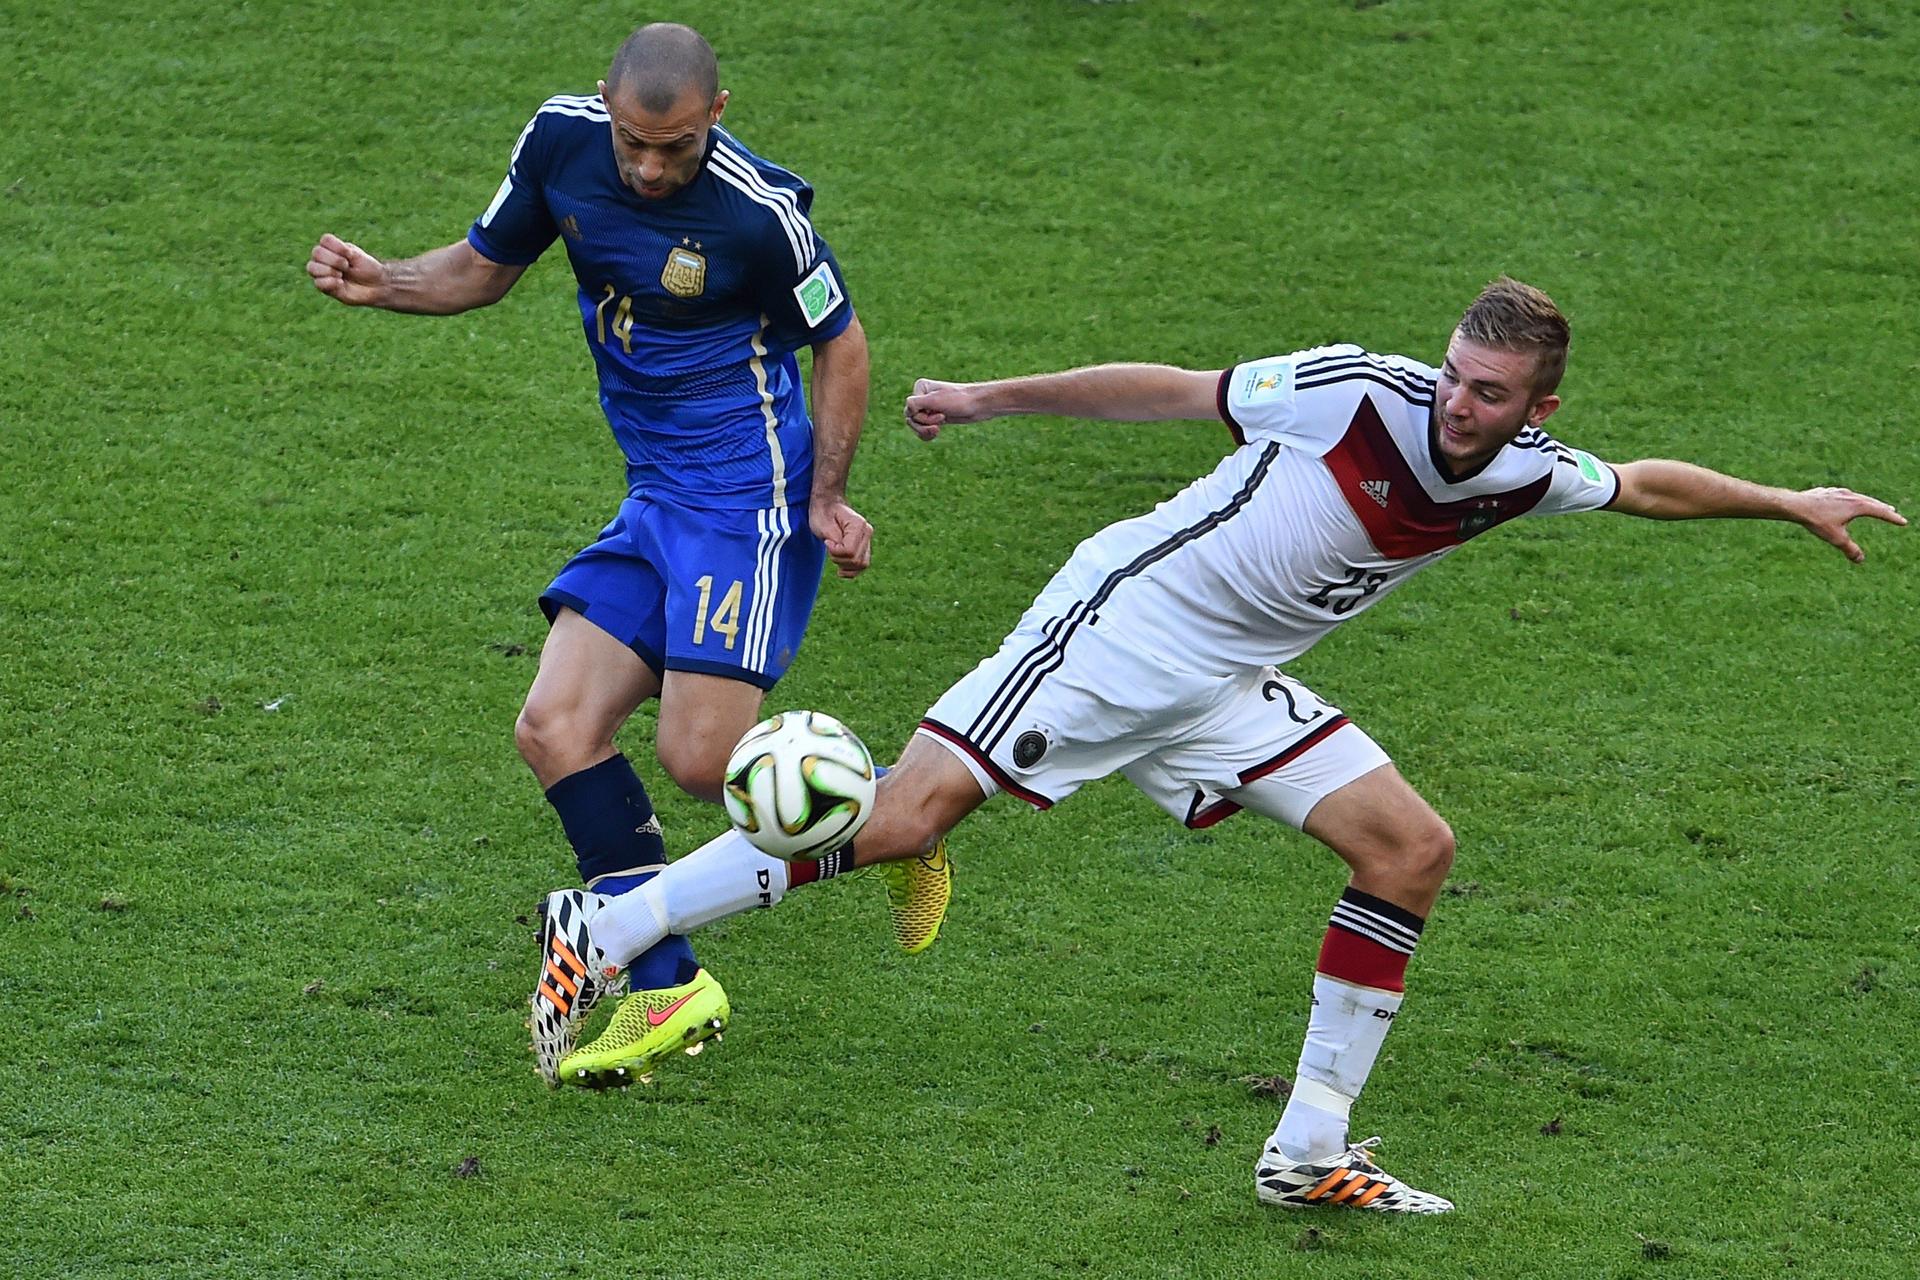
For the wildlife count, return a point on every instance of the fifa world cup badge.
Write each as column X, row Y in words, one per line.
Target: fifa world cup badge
column 685, row 275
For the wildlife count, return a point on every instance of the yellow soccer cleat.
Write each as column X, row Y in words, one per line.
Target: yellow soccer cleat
column 648, row 1026
column 917, row 893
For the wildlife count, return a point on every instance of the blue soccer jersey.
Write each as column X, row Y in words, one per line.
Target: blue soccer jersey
column 693, row 305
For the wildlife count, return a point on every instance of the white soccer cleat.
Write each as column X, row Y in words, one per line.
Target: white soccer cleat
column 1350, row 1180
column 574, row 975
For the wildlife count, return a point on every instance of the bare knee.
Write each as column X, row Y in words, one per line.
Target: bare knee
column 1407, row 865
column 1429, row 853
column 555, row 744
column 530, row 735
column 1418, row 856
column 697, row 766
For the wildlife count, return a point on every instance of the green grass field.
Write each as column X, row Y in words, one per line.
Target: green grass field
column 266, row 579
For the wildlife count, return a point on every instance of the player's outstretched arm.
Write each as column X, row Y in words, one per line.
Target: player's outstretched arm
column 1663, row 490
column 441, row 283
column 1113, row 392
column 840, row 375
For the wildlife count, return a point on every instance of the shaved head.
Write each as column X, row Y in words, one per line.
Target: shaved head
column 660, row 62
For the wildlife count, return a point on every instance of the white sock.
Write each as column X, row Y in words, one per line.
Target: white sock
column 1348, row 1025
column 723, row 877
column 630, row 923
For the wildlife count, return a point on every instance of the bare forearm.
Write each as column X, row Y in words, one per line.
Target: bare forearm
column 445, row 282
column 1660, row 489
column 840, row 380
column 1664, row 490
column 1113, row 392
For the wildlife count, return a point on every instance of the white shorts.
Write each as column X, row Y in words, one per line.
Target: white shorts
column 1063, row 704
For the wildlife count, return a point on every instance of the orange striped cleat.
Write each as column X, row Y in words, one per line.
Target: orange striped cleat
column 574, row 975
column 1350, row 1180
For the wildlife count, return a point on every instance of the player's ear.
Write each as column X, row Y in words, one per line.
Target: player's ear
column 719, row 105
column 1542, row 409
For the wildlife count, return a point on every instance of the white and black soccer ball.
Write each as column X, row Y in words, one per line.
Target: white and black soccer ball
column 799, row 785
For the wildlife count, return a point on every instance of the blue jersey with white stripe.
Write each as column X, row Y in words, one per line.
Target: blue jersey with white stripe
column 693, row 305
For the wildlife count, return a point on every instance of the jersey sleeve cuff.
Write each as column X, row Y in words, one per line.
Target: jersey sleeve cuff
column 494, row 254
column 833, row 326
column 1615, row 495
column 1220, row 402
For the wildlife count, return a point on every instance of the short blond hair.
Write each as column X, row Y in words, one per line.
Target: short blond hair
column 1512, row 316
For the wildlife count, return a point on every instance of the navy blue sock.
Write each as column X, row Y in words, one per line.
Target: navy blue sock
column 617, row 845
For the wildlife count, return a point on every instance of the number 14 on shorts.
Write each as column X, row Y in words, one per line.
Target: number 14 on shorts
column 725, row 618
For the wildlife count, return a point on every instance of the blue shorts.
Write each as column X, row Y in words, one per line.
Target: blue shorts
column 724, row 593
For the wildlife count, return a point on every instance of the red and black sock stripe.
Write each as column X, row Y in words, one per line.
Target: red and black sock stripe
column 1369, row 941
column 837, row 863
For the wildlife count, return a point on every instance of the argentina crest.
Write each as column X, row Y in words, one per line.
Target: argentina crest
column 685, row 275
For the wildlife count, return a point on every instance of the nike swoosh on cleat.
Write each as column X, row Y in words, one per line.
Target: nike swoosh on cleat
column 654, row 1018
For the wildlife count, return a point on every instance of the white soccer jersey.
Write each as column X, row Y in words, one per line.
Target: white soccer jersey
column 1336, row 496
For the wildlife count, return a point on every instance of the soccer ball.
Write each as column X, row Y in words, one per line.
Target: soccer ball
column 799, row 785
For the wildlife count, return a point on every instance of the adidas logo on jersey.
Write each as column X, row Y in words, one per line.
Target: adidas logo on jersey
column 1376, row 489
